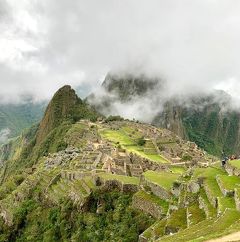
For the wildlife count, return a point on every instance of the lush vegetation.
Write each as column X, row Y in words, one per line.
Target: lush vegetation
column 212, row 130
column 113, row 118
column 16, row 118
column 116, row 222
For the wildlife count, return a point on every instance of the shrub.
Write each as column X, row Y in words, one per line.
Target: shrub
column 141, row 141
column 113, row 118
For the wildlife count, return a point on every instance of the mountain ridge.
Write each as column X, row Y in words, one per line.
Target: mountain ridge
column 207, row 119
column 92, row 178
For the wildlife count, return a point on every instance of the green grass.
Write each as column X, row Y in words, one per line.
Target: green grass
column 213, row 187
column 163, row 179
column 229, row 182
column 208, row 229
column 210, row 172
column 178, row 219
column 211, row 210
column 196, row 214
column 156, row 230
column 89, row 181
column 121, row 178
column 177, row 169
column 225, row 202
column 235, row 163
column 130, row 144
column 153, row 199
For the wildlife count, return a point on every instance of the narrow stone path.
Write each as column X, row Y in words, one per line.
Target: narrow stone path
column 228, row 238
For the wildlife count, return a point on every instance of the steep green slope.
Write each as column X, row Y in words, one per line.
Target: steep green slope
column 75, row 177
column 64, row 109
column 64, row 222
column 212, row 129
column 65, row 105
column 15, row 118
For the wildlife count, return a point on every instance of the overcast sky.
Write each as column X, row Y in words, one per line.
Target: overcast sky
column 44, row 44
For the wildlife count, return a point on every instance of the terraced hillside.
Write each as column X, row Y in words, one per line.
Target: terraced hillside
column 199, row 214
column 114, row 180
column 177, row 194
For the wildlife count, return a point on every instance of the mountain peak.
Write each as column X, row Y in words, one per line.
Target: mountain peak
column 61, row 107
column 127, row 86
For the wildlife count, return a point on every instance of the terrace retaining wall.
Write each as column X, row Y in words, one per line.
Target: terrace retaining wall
column 237, row 200
column 157, row 189
column 231, row 170
column 147, row 206
column 212, row 199
column 225, row 192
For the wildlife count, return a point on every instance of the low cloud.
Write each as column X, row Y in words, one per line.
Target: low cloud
column 193, row 45
column 4, row 135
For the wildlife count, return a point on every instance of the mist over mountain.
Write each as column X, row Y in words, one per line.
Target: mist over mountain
column 16, row 117
column 194, row 45
column 209, row 118
column 119, row 120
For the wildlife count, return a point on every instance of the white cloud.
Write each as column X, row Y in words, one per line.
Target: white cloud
column 4, row 135
column 194, row 45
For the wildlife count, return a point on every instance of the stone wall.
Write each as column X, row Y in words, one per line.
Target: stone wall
column 224, row 191
column 237, row 199
column 111, row 184
column 203, row 205
column 156, row 189
column 147, row 206
column 74, row 175
column 231, row 170
column 212, row 199
column 7, row 217
column 81, row 202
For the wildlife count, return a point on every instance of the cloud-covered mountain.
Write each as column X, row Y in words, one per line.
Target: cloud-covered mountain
column 209, row 118
column 15, row 118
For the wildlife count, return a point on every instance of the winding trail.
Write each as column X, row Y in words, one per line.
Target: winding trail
column 228, row 238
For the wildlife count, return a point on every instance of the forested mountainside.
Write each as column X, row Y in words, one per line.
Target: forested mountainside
column 78, row 176
column 207, row 120
column 15, row 118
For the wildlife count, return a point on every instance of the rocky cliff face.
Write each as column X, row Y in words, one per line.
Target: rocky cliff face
column 171, row 118
column 128, row 87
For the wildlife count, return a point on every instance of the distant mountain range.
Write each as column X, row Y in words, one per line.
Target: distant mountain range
column 207, row 120
column 15, row 118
